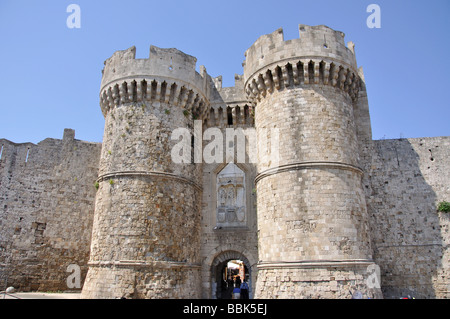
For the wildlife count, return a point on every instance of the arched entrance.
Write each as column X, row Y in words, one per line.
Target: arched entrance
column 222, row 273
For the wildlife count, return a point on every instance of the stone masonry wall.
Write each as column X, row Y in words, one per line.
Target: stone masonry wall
column 229, row 111
column 216, row 241
column 312, row 215
column 145, row 234
column 408, row 178
column 46, row 207
column 334, row 203
column 147, row 208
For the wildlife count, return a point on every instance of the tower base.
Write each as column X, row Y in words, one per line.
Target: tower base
column 142, row 281
column 318, row 280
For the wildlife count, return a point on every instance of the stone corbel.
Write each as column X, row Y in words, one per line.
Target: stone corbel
column 275, row 78
column 305, row 71
column 285, row 73
column 326, row 73
column 316, row 71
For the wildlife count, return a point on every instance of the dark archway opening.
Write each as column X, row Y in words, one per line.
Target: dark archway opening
column 229, row 275
column 225, row 267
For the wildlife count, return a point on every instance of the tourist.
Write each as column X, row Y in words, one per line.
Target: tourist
column 237, row 293
column 244, row 290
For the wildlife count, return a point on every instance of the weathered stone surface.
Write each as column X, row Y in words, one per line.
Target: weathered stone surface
column 147, row 218
column 314, row 221
column 311, row 205
column 409, row 177
column 47, row 203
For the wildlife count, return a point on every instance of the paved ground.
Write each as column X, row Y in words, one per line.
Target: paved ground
column 40, row 295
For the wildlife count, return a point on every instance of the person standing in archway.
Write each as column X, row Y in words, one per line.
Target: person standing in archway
column 244, row 290
column 237, row 288
column 237, row 281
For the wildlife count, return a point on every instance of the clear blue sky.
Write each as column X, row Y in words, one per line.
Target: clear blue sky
column 50, row 74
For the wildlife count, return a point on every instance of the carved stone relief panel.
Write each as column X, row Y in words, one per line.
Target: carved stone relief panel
column 231, row 206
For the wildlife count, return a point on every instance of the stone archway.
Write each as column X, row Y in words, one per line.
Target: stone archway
column 217, row 265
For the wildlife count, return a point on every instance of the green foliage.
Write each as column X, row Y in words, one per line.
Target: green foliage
column 111, row 182
column 186, row 113
column 167, row 111
column 96, row 185
column 444, row 207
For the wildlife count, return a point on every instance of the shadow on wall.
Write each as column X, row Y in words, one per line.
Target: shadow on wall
column 405, row 225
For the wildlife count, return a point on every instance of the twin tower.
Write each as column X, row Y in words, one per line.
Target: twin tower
column 312, row 226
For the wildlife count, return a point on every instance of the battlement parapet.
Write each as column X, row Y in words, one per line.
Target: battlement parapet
column 167, row 76
column 229, row 105
column 319, row 56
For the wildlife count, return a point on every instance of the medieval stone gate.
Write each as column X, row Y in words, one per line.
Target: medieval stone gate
column 213, row 266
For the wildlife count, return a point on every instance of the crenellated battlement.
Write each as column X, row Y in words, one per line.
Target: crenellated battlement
column 319, row 56
column 303, row 72
column 314, row 208
column 229, row 105
column 167, row 76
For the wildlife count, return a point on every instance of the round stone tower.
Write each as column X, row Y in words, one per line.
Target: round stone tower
column 312, row 217
column 146, row 236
